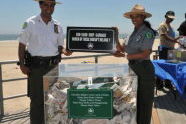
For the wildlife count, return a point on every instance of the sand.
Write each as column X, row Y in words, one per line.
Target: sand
column 8, row 52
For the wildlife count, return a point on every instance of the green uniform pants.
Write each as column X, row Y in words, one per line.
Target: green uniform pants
column 35, row 92
column 145, row 92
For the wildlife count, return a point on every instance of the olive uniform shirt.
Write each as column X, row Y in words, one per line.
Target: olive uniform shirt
column 165, row 29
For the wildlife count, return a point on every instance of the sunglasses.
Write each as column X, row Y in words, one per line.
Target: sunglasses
column 50, row 5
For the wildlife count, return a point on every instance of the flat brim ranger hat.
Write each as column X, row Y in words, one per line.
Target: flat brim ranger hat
column 52, row 1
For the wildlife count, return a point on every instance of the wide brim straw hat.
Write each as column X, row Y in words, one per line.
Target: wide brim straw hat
column 53, row 1
column 137, row 9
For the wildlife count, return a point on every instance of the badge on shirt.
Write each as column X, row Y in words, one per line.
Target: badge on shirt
column 56, row 29
column 24, row 25
column 138, row 38
column 148, row 35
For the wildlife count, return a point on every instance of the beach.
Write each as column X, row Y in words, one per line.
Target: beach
column 8, row 52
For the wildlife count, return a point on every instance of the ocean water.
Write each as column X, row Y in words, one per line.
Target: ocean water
column 4, row 37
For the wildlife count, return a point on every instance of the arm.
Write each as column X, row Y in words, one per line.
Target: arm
column 120, row 47
column 119, row 50
column 60, row 40
column 64, row 51
column 171, row 38
column 163, row 32
column 21, row 53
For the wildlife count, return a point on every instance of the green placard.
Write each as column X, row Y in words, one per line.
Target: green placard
column 94, row 103
column 178, row 54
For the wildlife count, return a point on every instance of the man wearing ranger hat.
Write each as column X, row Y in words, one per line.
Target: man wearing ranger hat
column 43, row 38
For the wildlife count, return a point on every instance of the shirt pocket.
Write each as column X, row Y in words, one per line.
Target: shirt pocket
column 52, row 37
column 37, row 38
column 137, row 41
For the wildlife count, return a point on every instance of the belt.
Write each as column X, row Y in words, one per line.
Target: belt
column 137, row 61
column 45, row 61
column 44, row 58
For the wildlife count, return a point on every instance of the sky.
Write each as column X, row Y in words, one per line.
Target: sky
column 89, row 13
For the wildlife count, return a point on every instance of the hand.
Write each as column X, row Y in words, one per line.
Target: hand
column 25, row 70
column 180, row 37
column 116, row 28
column 67, row 52
column 118, row 54
column 180, row 44
column 119, row 47
column 128, row 57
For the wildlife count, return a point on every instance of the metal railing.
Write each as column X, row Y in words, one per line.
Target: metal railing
column 2, row 98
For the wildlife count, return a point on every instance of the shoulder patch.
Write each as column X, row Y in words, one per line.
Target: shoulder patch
column 148, row 35
column 56, row 28
column 24, row 25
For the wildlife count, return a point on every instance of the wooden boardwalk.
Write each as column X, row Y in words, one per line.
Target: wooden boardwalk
column 167, row 110
column 19, row 118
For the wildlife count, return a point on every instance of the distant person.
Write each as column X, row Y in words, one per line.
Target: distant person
column 167, row 35
column 182, row 28
column 168, row 40
column 182, row 32
column 43, row 38
column 138, row 49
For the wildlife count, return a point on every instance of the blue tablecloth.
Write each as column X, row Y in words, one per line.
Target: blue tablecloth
column 175, row 72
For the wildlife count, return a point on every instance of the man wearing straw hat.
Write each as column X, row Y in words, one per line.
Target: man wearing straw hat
column 43, row 38
column 138, row 49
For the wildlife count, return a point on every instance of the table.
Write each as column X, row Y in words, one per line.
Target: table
column 175, row 72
